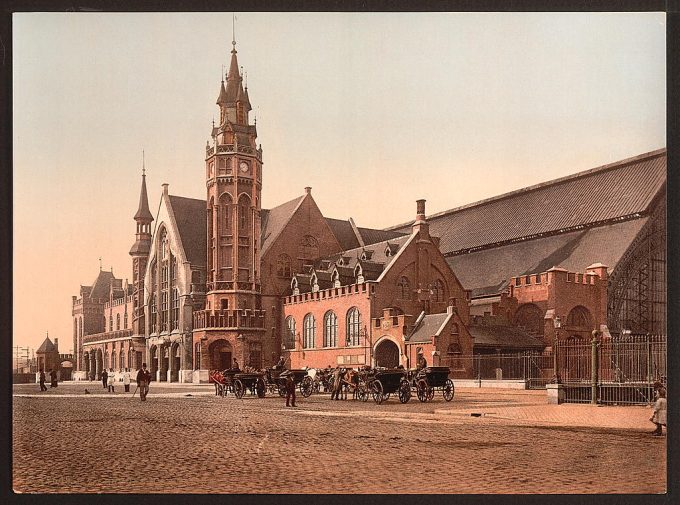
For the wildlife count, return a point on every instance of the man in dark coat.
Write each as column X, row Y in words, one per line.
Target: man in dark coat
column 234, row 365
column 42, row 380
column 290, row 390
column 143, row 379
column 53, row 378
column 337, row 383
column 421, row 362
column 105, row 377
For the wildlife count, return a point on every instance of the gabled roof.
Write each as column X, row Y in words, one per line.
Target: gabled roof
column 189, row 215
column 275, row 220
column 46, row 346
column 618, row 191
column 101, row 287
column 429, row 326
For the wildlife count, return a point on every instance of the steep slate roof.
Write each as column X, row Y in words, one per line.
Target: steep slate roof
column 275, row 220
column 623, row 189
column 101, row 287
column 190, row 218
column 428, row 327
column 343, row 232
column 46, row 346
column 372, row 236
column 503, row 336
column 488, row 271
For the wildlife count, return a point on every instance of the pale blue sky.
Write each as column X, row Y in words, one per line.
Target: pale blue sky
column 372, row 110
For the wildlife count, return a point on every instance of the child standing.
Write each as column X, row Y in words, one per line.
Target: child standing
column 659, row 416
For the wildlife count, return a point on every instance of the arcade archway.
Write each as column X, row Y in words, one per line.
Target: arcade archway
column 386, row 354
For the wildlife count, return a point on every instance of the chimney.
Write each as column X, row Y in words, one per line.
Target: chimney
column 308, row 190
column 420, row 225
column 56, row 344
column 165, row 188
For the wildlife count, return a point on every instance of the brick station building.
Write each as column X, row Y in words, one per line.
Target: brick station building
column 224, row 278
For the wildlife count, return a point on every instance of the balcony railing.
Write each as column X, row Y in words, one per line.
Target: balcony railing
column 107, row 335
column 241, row 318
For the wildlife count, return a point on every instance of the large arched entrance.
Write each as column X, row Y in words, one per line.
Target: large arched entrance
column 100, row 364
column 530, row 317
column 65, row 370
column 174, row 365
column 386, row 354
column 220, row 352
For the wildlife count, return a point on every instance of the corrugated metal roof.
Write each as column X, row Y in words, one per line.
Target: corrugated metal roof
column 625, row 188
column 488, row 271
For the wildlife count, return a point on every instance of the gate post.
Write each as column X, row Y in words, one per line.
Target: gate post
column 594, row 368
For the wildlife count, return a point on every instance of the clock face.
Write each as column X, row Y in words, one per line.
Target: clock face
column 243, row 167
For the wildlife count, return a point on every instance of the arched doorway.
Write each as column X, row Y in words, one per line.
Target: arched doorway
column 386, row 354
column 220, row 353
column 175, row 357
column 86, row 363
column 65, row 370
column 530, row 317
column 153, row 352
column 100, row 364
column 164, row 352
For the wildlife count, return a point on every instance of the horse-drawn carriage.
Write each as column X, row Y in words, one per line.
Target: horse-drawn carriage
column 224, row 381
column 301, row 379
column 381, row 383
column 429, row 379
column 253, row 381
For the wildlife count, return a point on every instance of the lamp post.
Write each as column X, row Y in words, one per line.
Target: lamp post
column 557, row 323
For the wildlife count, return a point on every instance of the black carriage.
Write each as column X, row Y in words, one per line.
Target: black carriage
column 300, row 378
column 273, row 381
column 253, row 381
column 381, row 383
column 224, row 381
column 431, row 378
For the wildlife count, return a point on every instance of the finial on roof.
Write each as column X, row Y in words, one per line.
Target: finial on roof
column 246, row 78
column 100, row 263
column 222, row 73
column 233, row 31
column 241, row 70
column 143, row 165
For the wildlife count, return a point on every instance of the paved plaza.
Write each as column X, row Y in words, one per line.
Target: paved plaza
column 484, row 441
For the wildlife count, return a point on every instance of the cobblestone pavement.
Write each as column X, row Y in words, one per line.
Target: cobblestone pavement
column 195, row 442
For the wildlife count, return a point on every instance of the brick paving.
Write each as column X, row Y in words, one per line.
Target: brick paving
column 195, row 442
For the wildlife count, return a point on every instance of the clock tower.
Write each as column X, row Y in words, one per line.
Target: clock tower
column 231, row 326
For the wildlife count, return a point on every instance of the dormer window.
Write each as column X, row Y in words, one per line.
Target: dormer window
column 391, row 250
column 336, row 279
column 359, row 275
column 315, row 283
column 366, row 255
column 294, row 286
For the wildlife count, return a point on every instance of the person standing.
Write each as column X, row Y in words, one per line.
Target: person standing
column 143, row 379
column 111, row 381
column 42, row 380
column 659, row 415
column 126, row 380
column 105, row 376
column 337, row 384
column 53, row 378
column 234, row 365
column 290, row 390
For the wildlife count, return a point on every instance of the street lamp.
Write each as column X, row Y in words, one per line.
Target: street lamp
column 557, row 323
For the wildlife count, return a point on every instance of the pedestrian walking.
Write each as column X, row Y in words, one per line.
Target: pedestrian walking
column 111, row 381
column 659, row 415
column 105, row 377
column 42, row 380
column 126, row 380
column 143, row 379
column 290, row 390
column 337, row 383
column 53, row 378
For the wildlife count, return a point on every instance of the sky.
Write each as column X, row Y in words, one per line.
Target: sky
column 373, row 111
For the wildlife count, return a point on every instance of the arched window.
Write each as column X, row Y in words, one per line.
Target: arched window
column 243, row 214
column 117, row 321
column 283, row 266
column 125, row 319
column 223, row 212
column 309, row 248
column 175, row 309
column 438, row 291
column 404, row 288
column 579, row 317
column 289, row 341
column 330, row 329
column 80, row 326
column 75, row 328
column 121, row 360
column 309, row 331
column 530, row 317
column 111, row 322
column 154, row 315
column 353, row 326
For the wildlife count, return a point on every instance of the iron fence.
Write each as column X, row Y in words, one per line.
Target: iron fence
column 533, row 368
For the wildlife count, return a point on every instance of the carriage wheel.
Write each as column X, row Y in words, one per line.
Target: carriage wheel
column 239, row 388
column 377, row 391
column 421, row 390
column 317, row 386
column 404, row 392
column 430, row 393
column 306, row 386
column 449, row 390
column 260, row 388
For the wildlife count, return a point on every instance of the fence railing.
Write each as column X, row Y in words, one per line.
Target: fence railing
column 534, row 368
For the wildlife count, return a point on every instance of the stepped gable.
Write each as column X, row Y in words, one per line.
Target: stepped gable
column 190, row 218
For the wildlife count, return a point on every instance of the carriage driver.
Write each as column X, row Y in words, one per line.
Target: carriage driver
column 281, row 364
column 421, row 362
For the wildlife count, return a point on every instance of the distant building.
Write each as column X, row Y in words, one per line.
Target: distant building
column 48, row 358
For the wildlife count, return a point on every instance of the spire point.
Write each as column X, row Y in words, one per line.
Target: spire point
column 100, row 263
column 233, row 32
column 143, row 165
